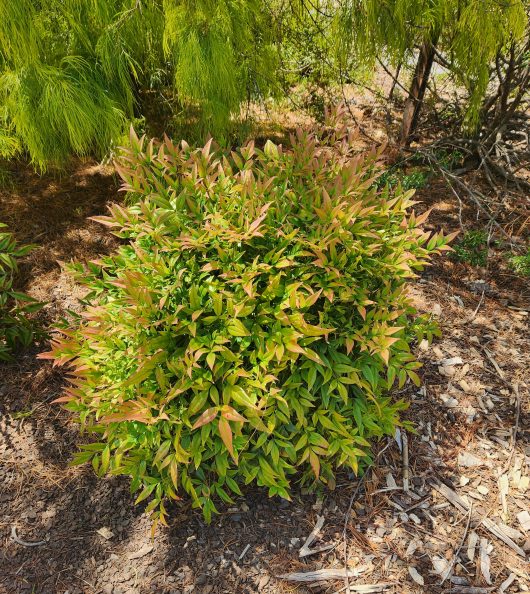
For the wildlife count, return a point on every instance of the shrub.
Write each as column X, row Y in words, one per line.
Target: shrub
column 251, row 325
column 16, row 330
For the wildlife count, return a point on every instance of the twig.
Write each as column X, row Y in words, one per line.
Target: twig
column 366, row 588
column 405, row 439
column 470, row 590
column 344, row 530
column 473, row 315
column 449, row 569
column 305, row 551
column 321, row 575
column 494, row 363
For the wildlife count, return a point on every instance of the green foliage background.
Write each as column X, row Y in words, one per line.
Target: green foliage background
column 72, row 71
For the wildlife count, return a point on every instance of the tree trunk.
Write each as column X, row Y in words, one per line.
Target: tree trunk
column 414, row 102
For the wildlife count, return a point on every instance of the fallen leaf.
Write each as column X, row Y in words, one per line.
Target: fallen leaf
column 451, row 361
column 471, row 545
column 105, row 533
column 469, row 460
column 524, row 520
column 440, row 565
column 504, row 487
column 416, row 576
column 507, row 583
column 142, row 552
column 413, row 545
column 485, row 561
column 390, row 481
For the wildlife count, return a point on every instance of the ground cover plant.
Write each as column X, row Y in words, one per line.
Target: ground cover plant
column 521, row 264
column 252, row 324
column 16, row 329
column 472, row 248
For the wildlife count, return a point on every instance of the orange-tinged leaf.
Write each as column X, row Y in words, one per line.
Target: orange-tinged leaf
column 315, row 463
column 139, row 416
column 232, row 415
column 207, row 417
column 173, row 472
column 47, row 355
column 385, row 354
column 107, row 221
column 422, row 218
column 294, row 347
column 226, row 435
column 63, row 399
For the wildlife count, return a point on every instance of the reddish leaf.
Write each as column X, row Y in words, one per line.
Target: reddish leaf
column 226, row 435
column 207, row 417
column 315, row 463
column 232, row 415
column 63, row 399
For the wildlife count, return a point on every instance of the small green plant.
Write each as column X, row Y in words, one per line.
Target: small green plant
column 450, row 159
column 251, row 328
column 411, row 181
column 521, row 264
column 472, row 248
column 16, row 329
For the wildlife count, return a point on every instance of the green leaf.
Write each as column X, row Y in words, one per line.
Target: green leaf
column 237, row 328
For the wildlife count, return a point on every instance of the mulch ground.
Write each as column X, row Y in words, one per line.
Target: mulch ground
column 62, row 530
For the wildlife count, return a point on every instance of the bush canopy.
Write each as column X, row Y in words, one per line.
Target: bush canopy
column 252, row 324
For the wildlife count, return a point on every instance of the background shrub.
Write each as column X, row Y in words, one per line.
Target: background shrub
column 16, row 330
column 252, row 323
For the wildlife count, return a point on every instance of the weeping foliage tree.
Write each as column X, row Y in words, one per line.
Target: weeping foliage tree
column 73, row 72
column 465, row 35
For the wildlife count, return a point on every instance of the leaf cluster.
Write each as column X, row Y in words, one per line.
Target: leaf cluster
column 250, row 328
column 16, row 329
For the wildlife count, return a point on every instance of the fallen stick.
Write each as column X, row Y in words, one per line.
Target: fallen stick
column 405, row 440
column 245, row 550
column 470, row 590
column 322, row 575
column 494, row 528
column 366, row 588
column 305, row 551
column 491, row 358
